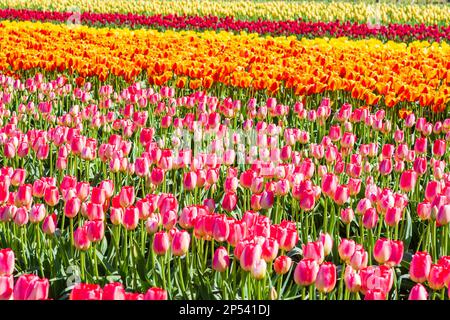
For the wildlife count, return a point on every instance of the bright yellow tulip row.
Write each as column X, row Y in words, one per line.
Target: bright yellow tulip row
column 370, row 69
column 362, row 12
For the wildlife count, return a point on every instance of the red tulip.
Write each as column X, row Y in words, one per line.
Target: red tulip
column 49, row 224
column 126, row 196
column 113, row 291
column 95, row 230
column 375, row 294
column 326, row 277
column 408, row 180
column 420, row 266
column 229, row 201
column 51, row 196
column 31, row 287
column 352, row 279
column 180, row 243
column 155, row 294
column 314, row 250
column 161, row 243
column 6, row 286
column 418, row 292
column 72, row 207
column 37, row 213
column 86, row 291
column 305, row 273
column 221, row 228
column 250, row 256
column 346, row 249
column 382, row 250
column 436, row 277
column 221, row 260
column 6, row 262
column 282, row 264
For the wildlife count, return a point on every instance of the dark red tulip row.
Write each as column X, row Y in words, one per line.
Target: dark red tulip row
column 396, row 32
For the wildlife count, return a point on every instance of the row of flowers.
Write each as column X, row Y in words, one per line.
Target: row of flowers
column 389, row 74
column 396, row 32
column 97, row 177
column 362, row 12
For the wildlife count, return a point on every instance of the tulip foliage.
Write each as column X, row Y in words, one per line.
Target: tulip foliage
column 140, row 164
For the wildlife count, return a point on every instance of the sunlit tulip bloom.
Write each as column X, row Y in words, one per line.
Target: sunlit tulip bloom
column 418, row 292
column 180, row 243
column 327, row 242
column 72, row 207
column 95, row 230
column 86, row 291
column 346, row 249
column 439, row 148
column 250, row 256
column 396, row 256
column 21, row 216
column 49, row 224
column 130, row 218
column 6, row 262
column 347, row 215
column 169, row 219
column 370, row 218
column 375, row 294
column 359, row 258
column 155, row 294
column 420, row 266
column 152, row 224
column 393, row 216
column 258, row 269
column 424, row 210
column 229, row 201
column 82, row 190
column 282, row 264
column 329, row 184
column 314, row 250
column 382, row 250
column 126, row 196
column 38, row 188
column 408, row 180
column 6, row 286
column 221, row 228
column 113, row 291
column 221, row 260
column 31, row 287
column 37, row 213
column 352, row 279
column 326, row 277
column 437, row 276
column 51, row 196
column 161, row 243
column 305, row 273
column 420, row 145
column 443, row 215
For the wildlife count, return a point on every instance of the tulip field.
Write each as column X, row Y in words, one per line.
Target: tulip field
column 207, row 150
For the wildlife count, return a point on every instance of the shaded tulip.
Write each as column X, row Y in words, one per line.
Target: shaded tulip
column 221, row 260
